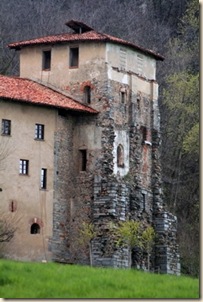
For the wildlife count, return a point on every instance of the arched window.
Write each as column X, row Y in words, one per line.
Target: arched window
column 120, row 156
column 35, row 228
column 87, row 94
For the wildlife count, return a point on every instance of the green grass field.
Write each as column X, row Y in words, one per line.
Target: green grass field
column 52, row 280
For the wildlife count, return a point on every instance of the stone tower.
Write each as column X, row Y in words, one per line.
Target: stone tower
column 106, row 166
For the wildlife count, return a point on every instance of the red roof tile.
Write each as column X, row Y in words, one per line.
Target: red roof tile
column 24, row 90
column 89, row 35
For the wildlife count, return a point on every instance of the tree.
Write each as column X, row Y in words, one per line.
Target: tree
column 180, row 133
column 148, row 237
column 7, row 229
column 129, row 233
column 134, row 234
column 86, row 235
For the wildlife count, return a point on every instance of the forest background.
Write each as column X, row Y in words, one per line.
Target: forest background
column 169, row 27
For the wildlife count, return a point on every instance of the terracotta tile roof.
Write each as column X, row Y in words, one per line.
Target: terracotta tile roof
column 24, row 90
column 89, row 35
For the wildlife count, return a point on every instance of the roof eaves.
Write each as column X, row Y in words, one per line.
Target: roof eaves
column 38, row 103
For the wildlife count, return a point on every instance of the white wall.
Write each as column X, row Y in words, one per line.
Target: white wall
column 121, row 137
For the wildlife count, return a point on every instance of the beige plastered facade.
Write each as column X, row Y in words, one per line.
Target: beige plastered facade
column 32, row 204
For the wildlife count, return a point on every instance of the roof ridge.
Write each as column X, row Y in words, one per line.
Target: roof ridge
column 87, row 35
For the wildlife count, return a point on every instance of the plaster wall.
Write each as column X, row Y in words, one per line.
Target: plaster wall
column 32, row 203
column 124, row 58
column 60, row 74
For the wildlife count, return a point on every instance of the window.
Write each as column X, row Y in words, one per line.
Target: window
column 83, row 160
column 39, row 131
column 138, row 104
column 46, row 60
column 6, row 127
column 144, row 133
column 122, row 97
column 120, row 156
column 43, row 180
column 74, row 57
column 146, row 136
column 87, row 94
column 144, row 201
column 24, row 164
column 35, row 228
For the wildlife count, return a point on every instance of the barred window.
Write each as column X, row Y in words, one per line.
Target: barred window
column 39, row 131
column 24, row 165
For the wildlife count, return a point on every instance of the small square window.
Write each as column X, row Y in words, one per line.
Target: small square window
column 6, row 127
column 46, row 60
column 74, row 57
column 24, row 165
column 43, row 180
column 39, row 131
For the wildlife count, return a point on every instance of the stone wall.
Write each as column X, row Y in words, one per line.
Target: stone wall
column 166, row 256
column 101, row 196
column 63, row 150
column 111, row 204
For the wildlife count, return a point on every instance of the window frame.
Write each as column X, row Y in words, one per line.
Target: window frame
column 6, row 127
column 24, row 167
column 39, row 131
column 73, row 57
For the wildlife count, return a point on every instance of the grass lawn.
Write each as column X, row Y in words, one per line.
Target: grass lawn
column 53, row 280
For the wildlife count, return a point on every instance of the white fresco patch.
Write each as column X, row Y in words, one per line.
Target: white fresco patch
column 125, row 79
column 121, row 137
column 109, row 72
